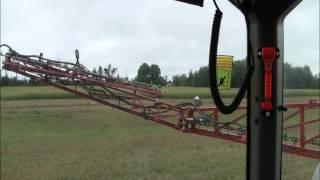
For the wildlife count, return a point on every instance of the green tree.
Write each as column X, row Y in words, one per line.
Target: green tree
column 94, row 70
column 203, row 76
column 4, row 81
column 294, row 77
column 195, row 79
column 109, row 70
column 316, row 81
column 180, row 80
column 100, row 71
column 288, row 72
column 144, row 74
column 113, row 71
column 238, row 73
column 298, row 77
column 155, row 74
column 190, row 78
column 106, row 72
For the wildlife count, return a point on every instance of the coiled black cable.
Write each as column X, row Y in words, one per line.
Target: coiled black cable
column 225, row 109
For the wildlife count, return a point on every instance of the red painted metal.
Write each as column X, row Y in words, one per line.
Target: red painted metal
column 302, row 137
column 143, row 101
column 268, row 56
column 302, row 123
column 291, row 115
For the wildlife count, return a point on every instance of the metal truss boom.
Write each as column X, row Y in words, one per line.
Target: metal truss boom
column 144, row 101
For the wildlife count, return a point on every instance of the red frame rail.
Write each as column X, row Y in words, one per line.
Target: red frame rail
column 143, row 101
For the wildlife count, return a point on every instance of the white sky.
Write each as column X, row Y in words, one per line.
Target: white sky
column 127, row 33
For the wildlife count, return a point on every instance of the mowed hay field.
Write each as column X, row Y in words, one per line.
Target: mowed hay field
column 73, row 138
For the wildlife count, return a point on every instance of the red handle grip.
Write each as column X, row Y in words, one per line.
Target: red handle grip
column 269, row 55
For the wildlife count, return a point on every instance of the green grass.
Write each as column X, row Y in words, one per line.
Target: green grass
column 204, row 92
column 190, row 92
column 33, row 92
column 79, row 139
column 47, row 92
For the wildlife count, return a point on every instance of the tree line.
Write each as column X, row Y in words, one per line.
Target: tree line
column 15, row 81
column 106, row 71
column 151, row 75
column 5, row 80
column 295, row 77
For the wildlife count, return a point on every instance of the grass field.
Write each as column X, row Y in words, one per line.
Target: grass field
column 48, row 92
column 79, row 139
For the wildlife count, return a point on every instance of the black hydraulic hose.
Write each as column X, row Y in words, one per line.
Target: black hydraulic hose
column 225, row 109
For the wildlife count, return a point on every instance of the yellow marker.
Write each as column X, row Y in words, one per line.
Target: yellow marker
column 224, row 69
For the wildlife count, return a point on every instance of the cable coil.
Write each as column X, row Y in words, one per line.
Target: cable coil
column 225, row 109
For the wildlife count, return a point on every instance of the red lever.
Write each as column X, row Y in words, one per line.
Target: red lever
column 268, row 55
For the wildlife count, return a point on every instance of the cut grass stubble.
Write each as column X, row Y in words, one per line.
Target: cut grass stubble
column 42, row 139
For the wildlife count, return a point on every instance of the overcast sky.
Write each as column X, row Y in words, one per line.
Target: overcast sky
column 129, row 32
